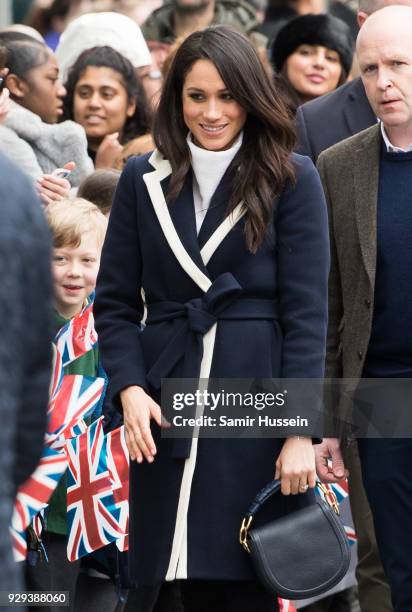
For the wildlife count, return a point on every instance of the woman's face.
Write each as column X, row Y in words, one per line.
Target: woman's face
column 209, row 111
column 313, row 71
column 100, row 103
column 45, row 93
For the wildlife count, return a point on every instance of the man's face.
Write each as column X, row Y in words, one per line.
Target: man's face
column 385, row 60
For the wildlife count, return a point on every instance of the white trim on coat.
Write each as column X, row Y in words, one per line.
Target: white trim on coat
column 178, row 559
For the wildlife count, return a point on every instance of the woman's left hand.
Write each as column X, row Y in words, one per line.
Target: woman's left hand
column 295, row 466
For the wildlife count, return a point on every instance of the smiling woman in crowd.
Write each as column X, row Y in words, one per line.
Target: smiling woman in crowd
column 312, row 55
column 106, row 98
column 31, row 135
column 225, row 231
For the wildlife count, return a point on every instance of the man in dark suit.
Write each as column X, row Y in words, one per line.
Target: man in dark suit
column 25, row 346
column 344, row 112
column 368, row 184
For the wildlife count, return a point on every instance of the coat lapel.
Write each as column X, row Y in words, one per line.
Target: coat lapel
column 366, row 176
column 178, row 220
column 217, row 207
column 357, row 111
column 182, row 212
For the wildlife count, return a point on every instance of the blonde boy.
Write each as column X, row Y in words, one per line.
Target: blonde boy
column 78, row 228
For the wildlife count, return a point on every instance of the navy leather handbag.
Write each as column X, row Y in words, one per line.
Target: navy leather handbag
column 302, row 554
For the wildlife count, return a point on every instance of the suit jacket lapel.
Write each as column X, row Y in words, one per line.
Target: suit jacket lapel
column 357, row 110
column 366, row 177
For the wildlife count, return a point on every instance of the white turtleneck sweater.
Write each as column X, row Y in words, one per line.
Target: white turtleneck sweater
column 208, row 169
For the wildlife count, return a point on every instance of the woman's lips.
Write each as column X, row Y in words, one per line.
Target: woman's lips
column 316, row 78
column 213, row 130
column 93, row 119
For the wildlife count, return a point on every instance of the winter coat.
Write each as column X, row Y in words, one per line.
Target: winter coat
column 38, row 147
column 259, row 316
column 25, row 346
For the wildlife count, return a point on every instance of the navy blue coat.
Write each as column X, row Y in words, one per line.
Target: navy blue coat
column 185, row 511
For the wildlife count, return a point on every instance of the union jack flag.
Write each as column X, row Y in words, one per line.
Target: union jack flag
column 76, row 398
column 33, row 496
column 93, row 518
column 341, row 491
column 118, row 466
column 77, row 337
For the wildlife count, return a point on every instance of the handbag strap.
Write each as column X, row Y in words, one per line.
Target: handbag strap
column 264, row 494
column 270, row 489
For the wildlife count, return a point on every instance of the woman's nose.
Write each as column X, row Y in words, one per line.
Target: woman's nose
column 62, row 91
column 319, row 59
column 94, row 100
column 212, row 111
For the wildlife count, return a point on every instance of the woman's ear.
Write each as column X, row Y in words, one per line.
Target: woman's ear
column 131, row 109
column 18, row 87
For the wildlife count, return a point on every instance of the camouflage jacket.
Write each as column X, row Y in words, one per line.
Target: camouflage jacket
column 237, row 13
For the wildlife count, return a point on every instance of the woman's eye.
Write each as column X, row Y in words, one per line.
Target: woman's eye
column 196, row 96
column 83, row 93
column 227, row 96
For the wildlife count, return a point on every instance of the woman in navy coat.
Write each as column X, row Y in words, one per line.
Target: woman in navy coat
column 221, row 237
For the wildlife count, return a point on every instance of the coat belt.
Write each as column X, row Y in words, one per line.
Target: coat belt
column 221, row 302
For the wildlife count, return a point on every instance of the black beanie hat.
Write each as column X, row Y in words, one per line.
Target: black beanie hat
column 323, row 30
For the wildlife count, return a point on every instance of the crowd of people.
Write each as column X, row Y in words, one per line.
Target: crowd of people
column 170, row 148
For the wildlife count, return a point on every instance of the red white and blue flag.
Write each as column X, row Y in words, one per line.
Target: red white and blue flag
column 77, row 337
column 72, row 397
column 92, row 513
column 118, row 466
column 34, row 494
column 75, row 399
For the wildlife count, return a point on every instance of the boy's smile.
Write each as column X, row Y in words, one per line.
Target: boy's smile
column 74, row 272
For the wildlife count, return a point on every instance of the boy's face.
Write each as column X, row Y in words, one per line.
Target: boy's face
column 74, row 274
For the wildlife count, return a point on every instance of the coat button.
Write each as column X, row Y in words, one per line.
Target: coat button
column 360, row 355
column 368, row 303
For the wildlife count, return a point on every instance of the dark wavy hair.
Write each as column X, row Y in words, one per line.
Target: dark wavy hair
column 269, row 137
column 137, row 125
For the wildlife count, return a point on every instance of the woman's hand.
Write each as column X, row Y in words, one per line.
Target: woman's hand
column 108, row 152
column 295, row 466
column 138, row 410
column 53, row 188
